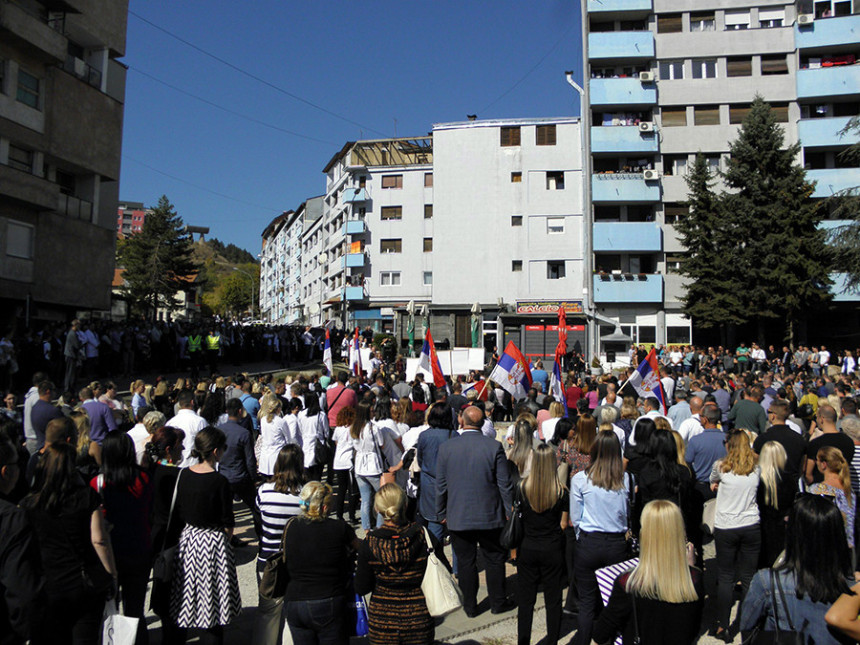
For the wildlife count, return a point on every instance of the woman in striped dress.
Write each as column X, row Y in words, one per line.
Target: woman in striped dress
column 205, row 591
column 278, row 501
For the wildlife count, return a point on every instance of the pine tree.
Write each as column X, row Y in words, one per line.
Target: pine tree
column 711, row 296
column 157, row 260
column 780, row 253
column 845, row 239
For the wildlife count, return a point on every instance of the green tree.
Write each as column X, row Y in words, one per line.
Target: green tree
column 781, row 259
column 845, row 239
column 711, row 296
column 157, row 260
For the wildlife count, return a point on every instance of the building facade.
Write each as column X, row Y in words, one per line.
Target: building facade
column 667, row 80
column 61, row 111
column 130, row 218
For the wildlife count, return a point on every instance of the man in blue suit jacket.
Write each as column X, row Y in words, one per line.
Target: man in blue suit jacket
column 473, row 498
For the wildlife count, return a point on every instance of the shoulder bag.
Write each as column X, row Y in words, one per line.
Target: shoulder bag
column 513, row 533
column 760, row 636
column 441, row 591
column 163, row 566
column 273, row 581
column 563, row 471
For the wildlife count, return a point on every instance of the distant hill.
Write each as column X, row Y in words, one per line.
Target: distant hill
column 217, row 263
column 231, row 253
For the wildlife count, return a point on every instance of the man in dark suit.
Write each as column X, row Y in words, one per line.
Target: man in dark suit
column 473, row 498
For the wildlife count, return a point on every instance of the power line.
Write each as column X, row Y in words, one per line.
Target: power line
column 229, row 111
column 532, row 69
column 203, row 188
column 253, row 76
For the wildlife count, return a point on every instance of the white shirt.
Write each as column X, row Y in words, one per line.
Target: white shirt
column 489, row 430
column 690, row 427
column 29, row 401
column 758, row 354
column 313, row 430
column 343, row 454
column 791, row 424
column 191, row 423
column 140, row 435
column 676, row 358
column 668, row 387
column 274, row 435
column 824, row 357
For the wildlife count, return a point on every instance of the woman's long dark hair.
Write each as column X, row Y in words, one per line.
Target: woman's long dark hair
column 439, row 416
column 643, row 430
column 59, row 478
column 289, row 470
column 119, row 462
column 312, row 404
column 663, row 452
column 562, row 430
column 816, row 550
column 213, row 407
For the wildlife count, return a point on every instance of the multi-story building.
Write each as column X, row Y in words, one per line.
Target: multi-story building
column 668, row 80
column 130, row 218
column 61, row 112
column 313, row 265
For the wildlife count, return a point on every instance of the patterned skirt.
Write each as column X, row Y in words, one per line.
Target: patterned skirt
column 205, row 590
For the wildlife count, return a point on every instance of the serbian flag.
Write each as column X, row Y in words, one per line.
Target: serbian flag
column 429, row 361
column 512, row 372
column 646, row 380
column 355, row 356
column 556, row 383
column 327, row 354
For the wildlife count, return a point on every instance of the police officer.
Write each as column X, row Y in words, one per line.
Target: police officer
column 195, row 353
column 213, row 346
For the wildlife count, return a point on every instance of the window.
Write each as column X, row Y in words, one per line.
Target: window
column 28, row 89
column 516, row 177
column 66, row 182
column 428, row 278
column 707, row 115
column 671, row 70
column 428, row 211
column 516, row 220
column 704, row 68
column 428, row 180
column 555, row 180
column 428, row 244
column 780, row 111
column 391, row 212
column 713, row 162
column 20, row 158
column 19, row 240
column 673, row 212
column 703, row 21
column 510, row 136
column 391, row 246
column 516, row 265
column 739, row 66
column 771, row 65
column 675, row 165
column 554, row 269
column 389, row 278
column 669, row 23
column 737, row 113
column 673, row 116
column 555, row 225
column 677, row 335
column 362, row 182
column 737, row 20
column 545, row 135
column 392, row 181
column 771, row 17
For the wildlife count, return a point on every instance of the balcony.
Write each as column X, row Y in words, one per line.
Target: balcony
column 824, row 132
column 608, row 45
column 76, row 208
column 833, row 180
column 622, row 91
column 354, row 227
column 622, row 138
column 620, row 237
column 31, row 30
column 624, row 187
column 353, row 293
column 827, row 32
column 352, row 195
column 607, row 6
column 628, row 288
column 828, row 81
column 354, row 260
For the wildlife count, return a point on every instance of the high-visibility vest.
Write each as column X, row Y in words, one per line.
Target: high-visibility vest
column 212, row 342
column 194, row 343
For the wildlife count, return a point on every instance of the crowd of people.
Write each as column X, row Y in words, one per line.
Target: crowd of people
column 109, row 496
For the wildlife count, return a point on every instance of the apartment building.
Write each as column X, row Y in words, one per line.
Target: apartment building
column 61, row 111
column 130, row 218
column 670, row 79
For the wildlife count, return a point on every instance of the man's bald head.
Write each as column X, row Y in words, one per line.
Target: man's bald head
column 473, row 417
column 696, row 404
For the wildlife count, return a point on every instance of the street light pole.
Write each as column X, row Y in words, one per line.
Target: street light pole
column 252, row 287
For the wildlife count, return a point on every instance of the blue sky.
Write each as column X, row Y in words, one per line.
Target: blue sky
column 378, row 68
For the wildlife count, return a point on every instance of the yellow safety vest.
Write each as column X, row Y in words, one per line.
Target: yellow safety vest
column 194, row 343
column 212, row 342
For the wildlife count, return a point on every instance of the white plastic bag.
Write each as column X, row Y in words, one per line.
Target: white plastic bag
column 118, row 629
column 440, row 590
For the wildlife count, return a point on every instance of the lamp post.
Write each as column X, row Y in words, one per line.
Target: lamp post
column 252, row 287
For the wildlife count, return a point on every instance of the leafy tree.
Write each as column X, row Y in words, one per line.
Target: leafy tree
column 781, row 256
column 231, row 295
column 157, row 260
column 845, row 239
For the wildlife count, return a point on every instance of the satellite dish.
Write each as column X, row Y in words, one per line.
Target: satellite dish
column 322, row 258
column 410, row 308
column 313, row 309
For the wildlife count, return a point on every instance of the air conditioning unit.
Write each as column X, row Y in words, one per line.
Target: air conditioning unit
column 805, row 19
column 646, row 126
column 646, row 77
column 650, row 175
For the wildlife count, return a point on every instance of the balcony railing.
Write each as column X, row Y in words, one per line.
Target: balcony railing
column 76, row 207
column 84, row 71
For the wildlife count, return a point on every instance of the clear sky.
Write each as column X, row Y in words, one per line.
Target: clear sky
column 329, row 72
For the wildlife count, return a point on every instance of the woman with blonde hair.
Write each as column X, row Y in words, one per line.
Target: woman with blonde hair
column 274, row 434
column 319, row 563
column 540, row 557
column 547, row 428
column 88, row 453
column 775, row 496
column 681, row 447
column 391, row 564
column 520, row 453
column 836, row 486
column 667, row 592
column 737, row 535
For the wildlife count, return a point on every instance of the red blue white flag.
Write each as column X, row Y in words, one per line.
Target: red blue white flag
column 355, row 355
column 646, row 380
column 429, row 361
column 327, row 354
column 512, row 372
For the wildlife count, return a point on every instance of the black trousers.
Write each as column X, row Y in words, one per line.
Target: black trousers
column 594, row 551
column 533, row 567
column 570, row 603
column 247, row 492
column 465, row 545
column 346, row 487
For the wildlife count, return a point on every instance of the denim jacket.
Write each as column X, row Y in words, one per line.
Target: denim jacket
column 807, row 617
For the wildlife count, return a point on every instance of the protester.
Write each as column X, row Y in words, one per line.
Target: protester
column 344, row 465
column 369, row 463
column 836, row 486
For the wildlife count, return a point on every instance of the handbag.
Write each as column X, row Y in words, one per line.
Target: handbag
column 441, row 592
column 118, row 629
column 760, row 636
column 513, row 533
column 563, row 471
column 163, row 565
column 273, row 581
